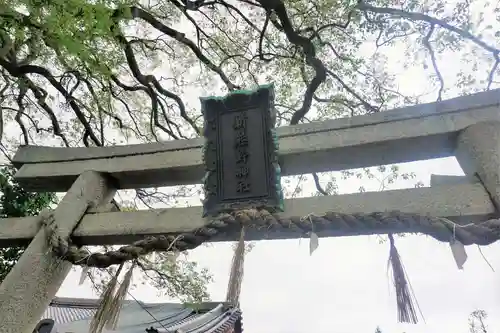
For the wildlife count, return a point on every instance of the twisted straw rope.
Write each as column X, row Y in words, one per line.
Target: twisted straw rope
column 439, row 228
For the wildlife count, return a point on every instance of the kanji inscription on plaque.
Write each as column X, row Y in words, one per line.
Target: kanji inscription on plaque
column 241, row 152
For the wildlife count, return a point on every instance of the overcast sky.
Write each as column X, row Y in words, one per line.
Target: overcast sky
column 345, row 286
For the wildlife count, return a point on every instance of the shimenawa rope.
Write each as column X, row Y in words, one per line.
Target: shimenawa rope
column 379, row 222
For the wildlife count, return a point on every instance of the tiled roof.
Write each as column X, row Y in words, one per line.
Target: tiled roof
column 74, row 315
column 64, row 315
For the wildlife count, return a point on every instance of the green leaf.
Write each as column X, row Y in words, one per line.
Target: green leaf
column 16, row 202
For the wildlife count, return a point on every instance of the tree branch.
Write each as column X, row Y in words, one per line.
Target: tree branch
column 308, row 49
column 429, row 19
column 428, row 46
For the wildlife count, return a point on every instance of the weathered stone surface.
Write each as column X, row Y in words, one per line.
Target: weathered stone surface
column 463, row 202
column 478, row 152
column 414, row 133
column 33, row 282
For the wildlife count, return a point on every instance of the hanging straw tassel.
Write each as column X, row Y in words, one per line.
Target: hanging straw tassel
column 117, row 301
column 406, row 308
column 236, row 277
column 102, row 314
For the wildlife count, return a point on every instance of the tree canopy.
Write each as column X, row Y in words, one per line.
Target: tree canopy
column 105, row 72
column 97, row 72
column 16, row 202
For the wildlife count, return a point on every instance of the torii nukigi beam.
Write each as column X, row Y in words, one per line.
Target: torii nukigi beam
column 462, row 202
column 36, row 278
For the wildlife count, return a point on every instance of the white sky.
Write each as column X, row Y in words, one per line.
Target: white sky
column 344, row 286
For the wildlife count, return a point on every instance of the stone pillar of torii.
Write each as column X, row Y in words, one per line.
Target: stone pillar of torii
column 242, row 171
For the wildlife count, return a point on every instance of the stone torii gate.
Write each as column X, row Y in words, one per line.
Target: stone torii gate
column 466, row 127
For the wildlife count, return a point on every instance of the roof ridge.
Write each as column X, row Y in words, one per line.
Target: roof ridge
column 94, row 303
column 79, row 302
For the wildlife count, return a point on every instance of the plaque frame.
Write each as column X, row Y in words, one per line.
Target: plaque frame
column 260, row 100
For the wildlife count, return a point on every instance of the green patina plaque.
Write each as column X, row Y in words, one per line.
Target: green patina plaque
column 241, row 152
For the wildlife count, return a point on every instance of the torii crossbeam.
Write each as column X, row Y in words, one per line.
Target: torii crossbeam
column 466, row 127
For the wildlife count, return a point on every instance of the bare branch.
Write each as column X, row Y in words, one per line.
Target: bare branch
column 428, row 46
column 142, row 14
column 309, row 51
column 394, row 12
column 318, row 185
